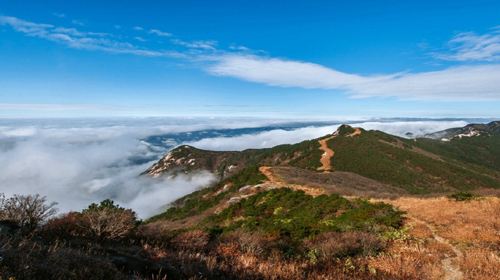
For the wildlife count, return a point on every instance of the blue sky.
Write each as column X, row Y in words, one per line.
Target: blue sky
column 300, row 59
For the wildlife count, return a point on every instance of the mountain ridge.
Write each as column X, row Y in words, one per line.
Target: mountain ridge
column 416, row 166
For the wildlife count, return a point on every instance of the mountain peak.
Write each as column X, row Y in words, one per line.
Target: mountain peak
column 347, row 130
column 470, row 130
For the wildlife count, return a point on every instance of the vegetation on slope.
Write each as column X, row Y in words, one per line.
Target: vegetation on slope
column 480, row 150
column 396, row 161
column 284, row 212
column 201, row 200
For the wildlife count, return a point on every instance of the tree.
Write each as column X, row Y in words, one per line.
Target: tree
column 108, row 220
column 27, row 211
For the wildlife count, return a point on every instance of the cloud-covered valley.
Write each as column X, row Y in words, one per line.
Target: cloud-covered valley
column 76, row 162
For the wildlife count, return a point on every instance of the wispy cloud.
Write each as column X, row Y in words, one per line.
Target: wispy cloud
column 59, row 15
column 466, row 82
column 469, row 46
column 200, row 44
column 160, row 33
column 74, row 38
column 140, row 39
column 77, row 22
column 469, row 82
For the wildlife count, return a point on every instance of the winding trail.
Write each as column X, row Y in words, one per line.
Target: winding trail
column 326, row 157
column 279, row 183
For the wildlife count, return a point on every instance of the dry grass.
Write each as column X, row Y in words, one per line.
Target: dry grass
column 409, row 261
column 460, row 222
column 480, row 264
column 470, row 230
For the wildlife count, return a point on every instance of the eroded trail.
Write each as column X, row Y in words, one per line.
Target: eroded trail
column 266, row 170
column 357, row 131
column 326, row 157
column 277, row 182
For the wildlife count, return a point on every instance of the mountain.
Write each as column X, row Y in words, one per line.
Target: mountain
column 478, row 144
column 471, row 130
column 418, row 166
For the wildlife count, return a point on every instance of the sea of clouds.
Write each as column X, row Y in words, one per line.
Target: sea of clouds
column 76, row 162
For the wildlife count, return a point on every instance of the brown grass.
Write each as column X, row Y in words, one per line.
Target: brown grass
column 469, row 232
column 480, row 264
column 409, row 261
column 460, row 222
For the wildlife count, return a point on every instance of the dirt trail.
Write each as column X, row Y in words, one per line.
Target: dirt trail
column 326, row 157
column 279, row 183
column 266, row 170
column 449, row 264
column 356, row 132
column 451, row 269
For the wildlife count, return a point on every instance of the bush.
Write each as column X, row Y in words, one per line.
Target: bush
column 27, row 211
column 462, row 196
column 67, row 225
column 107, row 220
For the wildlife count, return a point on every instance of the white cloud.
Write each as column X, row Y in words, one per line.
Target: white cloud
column 469, row 46
column 263, row 140
column 138, row 28
column 416, row 128
column 472, row 82
column 79, row 161
column 275, row 137
column 479, row 82
column 160, row 33
column 204, row 45
column 74, row 38
column 76, row 162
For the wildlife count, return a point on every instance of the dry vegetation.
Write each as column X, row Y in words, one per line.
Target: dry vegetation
column 461, row 235
column 441, row 239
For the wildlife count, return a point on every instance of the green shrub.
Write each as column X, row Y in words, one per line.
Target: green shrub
column 294, row 214
column 462, row 196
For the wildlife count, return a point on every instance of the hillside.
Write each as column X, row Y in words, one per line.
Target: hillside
column 354, row 204
column 295, row 211
column 470, row 130
column 478, row 144
column 413, row 166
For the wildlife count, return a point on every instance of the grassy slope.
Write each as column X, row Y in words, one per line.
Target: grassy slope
column 480, row 150
column 394, row 161
column 373, row 154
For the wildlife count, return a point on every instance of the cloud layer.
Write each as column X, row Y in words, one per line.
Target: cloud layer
column 278, row 136
column 75, row 162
